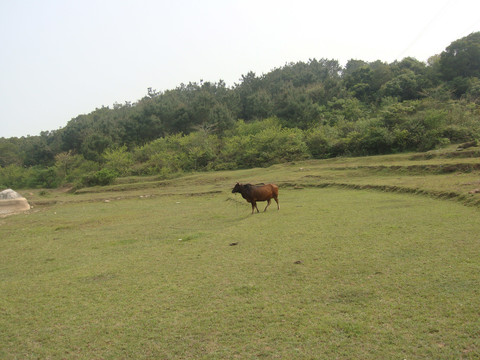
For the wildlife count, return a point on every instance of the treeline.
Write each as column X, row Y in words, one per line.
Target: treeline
column 314, row 109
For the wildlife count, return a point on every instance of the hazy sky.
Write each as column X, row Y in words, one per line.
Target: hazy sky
column 62, row 58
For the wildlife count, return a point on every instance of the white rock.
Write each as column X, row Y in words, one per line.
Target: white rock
column 12, row 202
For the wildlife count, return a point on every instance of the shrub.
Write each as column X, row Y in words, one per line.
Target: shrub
column 118, row 160
column 102, row 177
column 318, row 143
column 43, row 178
column 14, row 176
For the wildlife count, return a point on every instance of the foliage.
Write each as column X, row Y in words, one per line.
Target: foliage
column 267, row 144
column 15, row 176
column 118, row 160
column 460, row 62
column 102, row 177
column 462, row 58
column 313, row 109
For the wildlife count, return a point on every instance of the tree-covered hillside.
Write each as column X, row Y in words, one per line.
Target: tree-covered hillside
column 314, row 109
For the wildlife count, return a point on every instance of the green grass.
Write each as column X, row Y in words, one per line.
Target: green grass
column 153, row 274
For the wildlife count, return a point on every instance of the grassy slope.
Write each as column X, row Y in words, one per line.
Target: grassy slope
column 334, row 274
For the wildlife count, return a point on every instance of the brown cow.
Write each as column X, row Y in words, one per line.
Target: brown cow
column 254, row 193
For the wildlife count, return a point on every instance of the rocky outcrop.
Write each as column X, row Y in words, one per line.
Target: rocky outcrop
column 12, row 202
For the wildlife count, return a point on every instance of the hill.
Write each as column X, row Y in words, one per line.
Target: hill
column 314, row 109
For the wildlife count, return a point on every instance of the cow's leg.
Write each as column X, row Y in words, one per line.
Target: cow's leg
column 268, row 204
column 278, row 205
column 253, row 206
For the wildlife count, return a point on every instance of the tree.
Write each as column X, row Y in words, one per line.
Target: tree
column 461, row 61
column 461, row 58
column 473, row 93
column 220, row 118
column 63, row 162
column 249, row 85
column 381, row 74
column 352, row 66
column 403, row 86
column 358, row 83
column 296, row 109
column 94, row 145
column 38, row 152
column 118, row 160
column 201, row 105
column 258, row 105
column 10, row 152
column 409, row 63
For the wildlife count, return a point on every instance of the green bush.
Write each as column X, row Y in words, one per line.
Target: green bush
column 102, row 177
column 318, row 143
column 43, row 178
column 118, row 160
column 14, row 176
column 268, row 146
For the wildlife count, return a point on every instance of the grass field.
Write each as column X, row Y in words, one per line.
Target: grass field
column 148, row 269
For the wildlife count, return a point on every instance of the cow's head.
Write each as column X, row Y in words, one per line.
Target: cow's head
column 237, row 188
